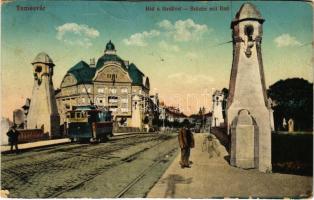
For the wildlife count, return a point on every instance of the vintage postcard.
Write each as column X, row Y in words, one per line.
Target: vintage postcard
column 156, row 99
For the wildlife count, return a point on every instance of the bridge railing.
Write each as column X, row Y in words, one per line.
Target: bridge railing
column 125, row 129
column 31, row 135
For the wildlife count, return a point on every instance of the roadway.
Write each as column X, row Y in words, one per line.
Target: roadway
column 125, row 166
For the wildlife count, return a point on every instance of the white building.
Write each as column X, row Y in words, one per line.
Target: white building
column 217, row 109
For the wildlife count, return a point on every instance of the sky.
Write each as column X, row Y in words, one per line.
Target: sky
column 180, row 51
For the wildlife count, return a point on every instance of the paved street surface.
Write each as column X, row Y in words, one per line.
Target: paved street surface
column 126, row 166
column 211, row 176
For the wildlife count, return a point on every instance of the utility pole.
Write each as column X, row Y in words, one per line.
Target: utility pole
column 164, row 117
column 203, row 115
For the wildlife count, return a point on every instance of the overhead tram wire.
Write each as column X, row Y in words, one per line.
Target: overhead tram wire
column 90, row 100
column 220, row 44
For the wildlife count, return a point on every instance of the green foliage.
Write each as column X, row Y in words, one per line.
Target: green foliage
column 186, row 123
column 293, row 98
column 293, row 153
column 146, row 120
column 156, row 121
column 225, row 91
column 175, row 124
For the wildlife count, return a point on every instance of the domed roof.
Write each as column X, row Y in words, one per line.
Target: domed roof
column 42, row 57
column 248, row 11
column 110, row 46
column 135, row 74
column 82, row 72
column 108, row 58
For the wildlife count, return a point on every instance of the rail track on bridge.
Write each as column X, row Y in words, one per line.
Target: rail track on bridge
column 63, row 171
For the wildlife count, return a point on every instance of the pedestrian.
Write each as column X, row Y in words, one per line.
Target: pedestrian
column 13, row 135
column 186, row 142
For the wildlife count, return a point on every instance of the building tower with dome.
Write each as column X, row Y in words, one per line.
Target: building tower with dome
column 43, row 111
column 112, row 82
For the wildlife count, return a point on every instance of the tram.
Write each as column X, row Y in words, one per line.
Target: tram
column 89, row 123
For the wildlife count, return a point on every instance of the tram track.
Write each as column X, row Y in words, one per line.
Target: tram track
column 142, row 174
column 27, row 172
column 66, row 147
column 122, row 160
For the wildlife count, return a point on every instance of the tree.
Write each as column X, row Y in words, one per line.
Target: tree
column 201, row 112
column 292, row 98
column 185, row 122
column 175, row 123
column 225, row 91
column 146, row 120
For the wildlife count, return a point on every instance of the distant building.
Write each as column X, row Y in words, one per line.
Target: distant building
column 171, row 114
column 19, row 118
column 217, row 109
column 112, row 82
column 201, row 121
column 25, row 109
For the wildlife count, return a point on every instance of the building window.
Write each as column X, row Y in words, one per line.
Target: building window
column 124, row 110
column 113, row 90
column 113, row 109
column 84, row 90
column 112, row 76
column 124, row 105
column 124, row 100
column 100, row 90
column 112, row 99
column 124, row 90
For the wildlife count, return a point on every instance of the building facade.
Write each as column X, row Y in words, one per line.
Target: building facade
column 171, row 114
column 112, row 83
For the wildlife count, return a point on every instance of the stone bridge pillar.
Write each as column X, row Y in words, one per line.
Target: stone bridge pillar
column 247, row 91
column 43, row 111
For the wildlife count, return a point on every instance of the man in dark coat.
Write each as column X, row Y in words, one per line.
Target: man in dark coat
column 13, row 135
column 186, row 142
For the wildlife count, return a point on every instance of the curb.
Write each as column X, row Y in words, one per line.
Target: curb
column 23, row 149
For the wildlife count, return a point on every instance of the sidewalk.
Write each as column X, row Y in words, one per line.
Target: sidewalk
column 5, row 148
column 214, row 177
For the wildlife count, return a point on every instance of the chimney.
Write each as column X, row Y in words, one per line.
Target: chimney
column 92, row 62
column 126, row 63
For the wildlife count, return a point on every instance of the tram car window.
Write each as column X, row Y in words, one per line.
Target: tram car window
column 89, row 122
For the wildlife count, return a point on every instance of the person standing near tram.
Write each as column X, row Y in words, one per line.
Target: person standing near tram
column 13, row 135
column 186, row 142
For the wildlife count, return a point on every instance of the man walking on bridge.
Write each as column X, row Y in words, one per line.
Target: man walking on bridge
column 186, row 142
column 13, row 135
